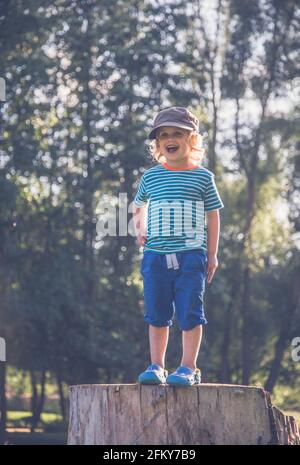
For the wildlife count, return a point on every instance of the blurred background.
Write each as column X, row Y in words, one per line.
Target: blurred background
column 84, row 80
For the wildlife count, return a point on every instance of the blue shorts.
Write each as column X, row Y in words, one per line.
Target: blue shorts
column 174, row 283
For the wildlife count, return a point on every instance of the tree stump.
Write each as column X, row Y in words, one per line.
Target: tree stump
column 132, row 414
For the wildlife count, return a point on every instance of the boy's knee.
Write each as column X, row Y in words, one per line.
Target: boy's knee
column 157, row 324
column 189, row 327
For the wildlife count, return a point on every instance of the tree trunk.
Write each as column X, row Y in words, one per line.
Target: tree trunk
column 224, row 373
column 246, row 327
column 39, row 401
column 62, row 402
column 276, row 363
column 3, row 403
column 132, row 414
column 34, row 392
column 285, row 333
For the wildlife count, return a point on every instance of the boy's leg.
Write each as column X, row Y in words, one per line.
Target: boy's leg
column 158, row 338
column 191, row 341
column 189, row 294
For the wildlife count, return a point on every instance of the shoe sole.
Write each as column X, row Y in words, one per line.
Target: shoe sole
column 150, row 379
column 181, row 382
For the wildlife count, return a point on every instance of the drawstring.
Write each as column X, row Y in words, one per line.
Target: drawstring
column 172, row 261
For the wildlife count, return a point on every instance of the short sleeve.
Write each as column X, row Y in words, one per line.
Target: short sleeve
column 212, row 199
column 141, row 197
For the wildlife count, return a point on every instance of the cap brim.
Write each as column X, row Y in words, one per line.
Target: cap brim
column 152, row 134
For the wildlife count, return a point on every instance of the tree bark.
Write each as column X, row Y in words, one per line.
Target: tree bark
column 133, row 414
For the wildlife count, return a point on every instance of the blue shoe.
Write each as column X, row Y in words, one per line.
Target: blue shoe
column 184, row 376
column 154, row 374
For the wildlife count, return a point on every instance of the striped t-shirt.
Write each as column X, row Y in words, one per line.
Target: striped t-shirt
column 178, row 200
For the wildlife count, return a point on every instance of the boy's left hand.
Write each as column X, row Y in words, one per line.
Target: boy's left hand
column 212, row 265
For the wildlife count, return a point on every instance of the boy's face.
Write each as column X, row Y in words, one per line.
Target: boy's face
column 168, row 137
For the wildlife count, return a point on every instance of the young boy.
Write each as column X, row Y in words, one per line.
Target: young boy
column 180, row 250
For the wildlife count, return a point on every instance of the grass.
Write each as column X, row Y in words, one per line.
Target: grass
column 46, row 417
column 21, row 419
column 18, row 426
column 51, row 429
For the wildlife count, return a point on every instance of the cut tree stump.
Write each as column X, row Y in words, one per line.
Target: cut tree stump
column 132, row 414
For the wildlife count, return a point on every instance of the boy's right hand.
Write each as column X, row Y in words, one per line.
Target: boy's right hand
column 141, row 240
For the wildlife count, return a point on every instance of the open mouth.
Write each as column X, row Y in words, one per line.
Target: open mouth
column 172, row 148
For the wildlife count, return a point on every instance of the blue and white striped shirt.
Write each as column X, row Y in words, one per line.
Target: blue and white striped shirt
column 178, row 200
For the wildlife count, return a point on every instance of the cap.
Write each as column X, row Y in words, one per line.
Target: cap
column 179, row 117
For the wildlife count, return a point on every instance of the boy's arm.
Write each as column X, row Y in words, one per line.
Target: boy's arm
column 140, row 224
column 213, row 231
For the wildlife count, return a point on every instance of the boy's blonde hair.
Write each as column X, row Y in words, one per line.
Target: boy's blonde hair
column 195, row 141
